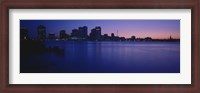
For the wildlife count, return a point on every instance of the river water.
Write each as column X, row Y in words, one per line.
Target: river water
column 106, row 57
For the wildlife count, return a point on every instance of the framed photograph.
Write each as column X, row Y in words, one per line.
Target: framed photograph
column 122, row 46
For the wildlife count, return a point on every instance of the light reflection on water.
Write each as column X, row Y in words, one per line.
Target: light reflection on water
column 109, row 57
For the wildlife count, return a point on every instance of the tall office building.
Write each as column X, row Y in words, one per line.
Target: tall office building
column 75, row 33
column 80, row 33
column 41, row 32
column 95, row 34
column 85, row 32
column 63, row 35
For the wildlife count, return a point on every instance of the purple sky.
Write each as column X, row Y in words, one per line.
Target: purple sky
column 157, row 29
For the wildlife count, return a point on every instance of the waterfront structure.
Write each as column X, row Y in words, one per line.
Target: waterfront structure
column 41, row 32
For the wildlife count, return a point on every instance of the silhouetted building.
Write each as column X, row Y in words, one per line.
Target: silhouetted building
column 74, row 33
column 132, row 38
column 24, row 34
column 170, row 38
column 112, row 36
column 105, row 37
column 83, row 32
column 95, row 34
column 92, row 34
column 80, row 33
column 41, row 32
column 117, row 38
column 139, row 39
column 51, row 36
column 122, row 39
column 63, row 35
column 148, row 39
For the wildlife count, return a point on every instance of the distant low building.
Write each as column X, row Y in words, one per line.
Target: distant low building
column 139, row 39
column 51, row 36
column 148, row 39
column 105, row 37
column 122, row 39
column 132, row 38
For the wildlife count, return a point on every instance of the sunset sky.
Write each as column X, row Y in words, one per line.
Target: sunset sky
column 157, row 29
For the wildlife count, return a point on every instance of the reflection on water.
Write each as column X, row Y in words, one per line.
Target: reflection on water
column 106, row 57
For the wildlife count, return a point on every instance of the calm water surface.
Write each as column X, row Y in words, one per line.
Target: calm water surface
column 106, row 57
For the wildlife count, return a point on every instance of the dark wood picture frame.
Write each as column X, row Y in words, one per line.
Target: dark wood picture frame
column 98, row 4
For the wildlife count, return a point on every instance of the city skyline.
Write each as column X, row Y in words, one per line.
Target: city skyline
column 156, row 29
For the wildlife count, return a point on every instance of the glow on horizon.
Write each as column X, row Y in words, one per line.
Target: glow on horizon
column 156, row 29
column 152, row 35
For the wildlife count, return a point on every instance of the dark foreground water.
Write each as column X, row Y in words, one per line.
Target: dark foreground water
column 105, row 57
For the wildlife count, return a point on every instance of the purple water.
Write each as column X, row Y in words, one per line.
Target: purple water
column 107, row 57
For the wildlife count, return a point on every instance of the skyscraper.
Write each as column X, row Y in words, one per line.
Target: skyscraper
column 95, row 34
column 80, row 33
column 41, row 32
column 98, row 32
column 63, row 35
column 112, row 36
column 75, row 33
column 85, row 31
